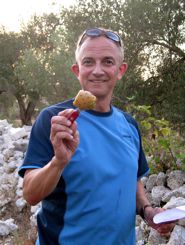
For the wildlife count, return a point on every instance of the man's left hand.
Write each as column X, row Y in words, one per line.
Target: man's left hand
column 164, row 229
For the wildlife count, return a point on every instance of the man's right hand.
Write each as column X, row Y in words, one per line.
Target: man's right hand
column 64, row 137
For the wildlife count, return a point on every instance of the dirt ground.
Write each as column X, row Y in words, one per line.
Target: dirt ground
column 25, row 235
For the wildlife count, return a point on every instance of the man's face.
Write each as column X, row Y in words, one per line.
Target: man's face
column 99, row 66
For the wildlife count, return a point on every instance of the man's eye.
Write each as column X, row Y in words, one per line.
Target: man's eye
column 109, row 62
column 87, row 62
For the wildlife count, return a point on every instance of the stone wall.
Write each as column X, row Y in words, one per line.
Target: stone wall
column 16, row 217
column 165, row 190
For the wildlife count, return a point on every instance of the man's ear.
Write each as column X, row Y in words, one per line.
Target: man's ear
column 122, row 69
column 75, row 69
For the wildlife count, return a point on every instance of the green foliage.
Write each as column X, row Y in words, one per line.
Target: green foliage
column 38, row 33
column 10, row 48
column 64, row 82
column 156, row 29
column 163, row 146
column 34, row 64
column 30, row 69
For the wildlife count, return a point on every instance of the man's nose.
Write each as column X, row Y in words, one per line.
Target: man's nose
column 97, row 69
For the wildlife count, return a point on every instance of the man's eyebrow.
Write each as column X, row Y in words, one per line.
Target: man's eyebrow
column 105, row 57
column 109, row 57
column 87, row 57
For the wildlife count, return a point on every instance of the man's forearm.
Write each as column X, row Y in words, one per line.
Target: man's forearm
column 39, row 183
column 141, row 200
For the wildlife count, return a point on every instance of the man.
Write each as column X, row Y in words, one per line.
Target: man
column 87, row 173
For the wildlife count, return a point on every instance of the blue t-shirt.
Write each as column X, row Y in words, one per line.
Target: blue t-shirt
column 94, row 202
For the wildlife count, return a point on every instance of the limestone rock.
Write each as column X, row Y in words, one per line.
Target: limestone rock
column 7, row 226
column 177, row 236
column 176, row 179
column 157, row 194
column 151, row 182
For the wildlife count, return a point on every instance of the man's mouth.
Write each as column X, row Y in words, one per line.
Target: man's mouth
column 97, row 81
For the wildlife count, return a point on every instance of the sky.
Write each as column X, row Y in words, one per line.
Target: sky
column 13, row 12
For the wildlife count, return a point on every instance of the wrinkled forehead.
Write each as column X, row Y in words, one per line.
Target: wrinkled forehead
column 98, row 46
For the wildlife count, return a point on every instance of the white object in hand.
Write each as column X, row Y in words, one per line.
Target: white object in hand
column 170, row 215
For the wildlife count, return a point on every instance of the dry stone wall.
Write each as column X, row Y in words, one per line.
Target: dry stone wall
column 167, row 191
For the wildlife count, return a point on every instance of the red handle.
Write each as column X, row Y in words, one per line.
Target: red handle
column 73, row 116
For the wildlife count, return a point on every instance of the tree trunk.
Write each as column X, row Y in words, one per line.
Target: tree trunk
column 26, row 112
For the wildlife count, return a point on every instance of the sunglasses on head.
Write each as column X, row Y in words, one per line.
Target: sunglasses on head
column 97, row 32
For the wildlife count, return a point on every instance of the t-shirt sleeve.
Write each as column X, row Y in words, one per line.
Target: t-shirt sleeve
column 143, row 168
column 40, row 150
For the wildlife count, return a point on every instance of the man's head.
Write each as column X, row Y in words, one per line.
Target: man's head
column 99, row 62
column 97, row 32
